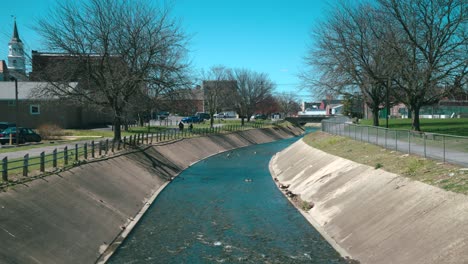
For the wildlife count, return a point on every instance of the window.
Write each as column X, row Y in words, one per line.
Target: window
column 34, row 109
column 11, row 103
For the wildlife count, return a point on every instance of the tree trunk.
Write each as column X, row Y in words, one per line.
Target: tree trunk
column 211, row 121
column 117, row 128
column 375, row 116
column 242, row 121
column 415, row 119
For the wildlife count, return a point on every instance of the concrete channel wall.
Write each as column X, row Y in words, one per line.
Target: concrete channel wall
column 73, row 216
column 372, row 215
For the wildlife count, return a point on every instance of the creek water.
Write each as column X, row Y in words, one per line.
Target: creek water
column 226, row 209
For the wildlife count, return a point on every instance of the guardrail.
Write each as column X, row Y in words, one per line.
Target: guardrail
column 447, row 148
column 94, row 150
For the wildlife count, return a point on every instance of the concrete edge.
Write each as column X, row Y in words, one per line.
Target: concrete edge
column 115, row 244
column 343, row 252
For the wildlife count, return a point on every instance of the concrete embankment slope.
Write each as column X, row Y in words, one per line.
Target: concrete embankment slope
column 376, row 216
column 72, row 217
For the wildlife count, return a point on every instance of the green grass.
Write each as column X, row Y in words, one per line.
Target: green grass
column 453, row 126
column 445, row 176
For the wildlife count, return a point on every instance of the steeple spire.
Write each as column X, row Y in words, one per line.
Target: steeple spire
column 16, row 58
column 15, row 37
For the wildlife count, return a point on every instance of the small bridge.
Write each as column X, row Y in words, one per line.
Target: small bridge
column 302, row 120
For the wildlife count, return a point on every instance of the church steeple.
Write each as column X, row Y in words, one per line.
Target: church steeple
column 15, row 37
column 16, row 59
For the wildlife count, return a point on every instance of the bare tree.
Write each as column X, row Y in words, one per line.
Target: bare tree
column 288, row 103
column 352, row 56
column 118, row 48
column 431, row 43
column 252, row 88
column 217, row 86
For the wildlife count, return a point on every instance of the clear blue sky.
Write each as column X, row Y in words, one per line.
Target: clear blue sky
column 268, row 36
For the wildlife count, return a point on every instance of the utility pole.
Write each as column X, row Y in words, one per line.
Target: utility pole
column 16, row 109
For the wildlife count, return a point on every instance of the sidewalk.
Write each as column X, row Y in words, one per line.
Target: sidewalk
column 33, row 152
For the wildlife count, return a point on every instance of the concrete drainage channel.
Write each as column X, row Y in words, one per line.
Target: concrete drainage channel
column 70, row 217
column 375, row 216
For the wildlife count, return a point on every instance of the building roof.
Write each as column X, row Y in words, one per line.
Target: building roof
column 25, row 90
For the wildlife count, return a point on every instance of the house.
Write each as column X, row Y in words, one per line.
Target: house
column 34, row 111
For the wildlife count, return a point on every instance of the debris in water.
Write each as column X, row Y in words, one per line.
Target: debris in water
column 217, row 243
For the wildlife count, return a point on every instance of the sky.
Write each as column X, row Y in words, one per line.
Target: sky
column 268, row 36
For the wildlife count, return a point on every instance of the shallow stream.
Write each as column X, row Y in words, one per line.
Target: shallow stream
column 226, row 209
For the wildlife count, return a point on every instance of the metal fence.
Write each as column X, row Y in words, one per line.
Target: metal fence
column 81, row 153
column 447, row 148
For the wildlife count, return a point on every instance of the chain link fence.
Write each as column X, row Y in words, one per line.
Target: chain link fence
column 447, row 148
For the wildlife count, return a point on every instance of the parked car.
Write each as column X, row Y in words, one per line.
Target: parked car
column 191, row 119
column 162, row 115
column 260, row 116
column 5, row 125
column 203, row 116
column 25, row 135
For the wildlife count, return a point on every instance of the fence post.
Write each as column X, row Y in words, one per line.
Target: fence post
column 65, row 155
column 125, row 141
column 107, row 146
column 409, row 142
column 152, row 136
column 54, row 158
column 386, row 131
column 360, row 128
column 368, row 140
column 396, row 140
column 377, row 137
column 76, row 152
column 100, row 148
column 424, row 145
column 443, row 140
column 85, row 150
column 5, row 169
column 42, row 161
column 112, row 146
column 118, row 145
column 25, row 165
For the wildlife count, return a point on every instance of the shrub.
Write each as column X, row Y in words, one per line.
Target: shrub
column 50, row 131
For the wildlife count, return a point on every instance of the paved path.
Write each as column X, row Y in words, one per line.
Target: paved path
column 34, row 152
column 413, row 145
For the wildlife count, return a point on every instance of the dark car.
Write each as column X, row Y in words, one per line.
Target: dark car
column 25, row 135
column 162, row 115
column 191, row 119
column 5, row 125
column 260, row 116
column 203, row 116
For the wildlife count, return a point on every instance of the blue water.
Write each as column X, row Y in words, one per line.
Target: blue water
column 212, row 213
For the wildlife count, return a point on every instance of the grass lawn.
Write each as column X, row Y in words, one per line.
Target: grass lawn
column 453, row 126
column 445, row 176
